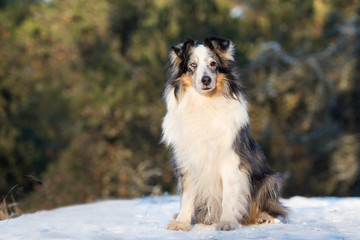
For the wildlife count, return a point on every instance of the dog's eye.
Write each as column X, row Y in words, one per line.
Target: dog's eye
column 194, row 65
column 213, row 64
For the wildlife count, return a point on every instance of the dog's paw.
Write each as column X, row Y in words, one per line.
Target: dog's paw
column 227, row 226
column 265, row 218
column 177, row 226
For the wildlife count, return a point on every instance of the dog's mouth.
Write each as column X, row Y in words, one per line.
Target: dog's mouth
column 202, row 88
column 206, row 88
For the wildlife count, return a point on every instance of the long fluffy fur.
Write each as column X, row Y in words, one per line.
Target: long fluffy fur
column 222, row 173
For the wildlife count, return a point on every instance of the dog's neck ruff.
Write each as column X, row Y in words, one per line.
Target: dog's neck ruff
column 197, row 121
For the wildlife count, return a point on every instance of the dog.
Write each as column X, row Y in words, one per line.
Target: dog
column 222, row 173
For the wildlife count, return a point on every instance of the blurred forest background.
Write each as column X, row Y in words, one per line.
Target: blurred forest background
column 81, row 93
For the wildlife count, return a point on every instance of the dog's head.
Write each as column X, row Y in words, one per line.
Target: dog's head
column 200, row 65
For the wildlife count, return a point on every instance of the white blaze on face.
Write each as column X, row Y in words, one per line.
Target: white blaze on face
column 204, row 74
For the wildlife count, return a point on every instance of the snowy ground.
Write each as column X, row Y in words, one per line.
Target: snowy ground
column 146, row 218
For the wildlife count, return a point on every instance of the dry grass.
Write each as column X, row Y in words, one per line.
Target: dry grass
column 9, row 210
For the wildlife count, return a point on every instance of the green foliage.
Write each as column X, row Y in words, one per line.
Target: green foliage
column 81, row 85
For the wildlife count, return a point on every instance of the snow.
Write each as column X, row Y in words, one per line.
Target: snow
column 146, row 218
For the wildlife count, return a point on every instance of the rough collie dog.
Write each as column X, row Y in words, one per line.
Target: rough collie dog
column 222, row 173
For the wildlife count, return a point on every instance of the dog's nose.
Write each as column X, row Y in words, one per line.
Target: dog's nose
column 206, row 80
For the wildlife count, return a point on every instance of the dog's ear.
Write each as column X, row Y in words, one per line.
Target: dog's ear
column 180, row 51
column 223, row 47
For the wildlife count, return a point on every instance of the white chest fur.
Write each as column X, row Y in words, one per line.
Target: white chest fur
column 202, row 129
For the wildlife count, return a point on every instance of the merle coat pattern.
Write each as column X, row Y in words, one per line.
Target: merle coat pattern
column 222, row 172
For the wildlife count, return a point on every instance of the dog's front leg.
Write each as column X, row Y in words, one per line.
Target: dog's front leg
column 235, row 198
column 183, row 220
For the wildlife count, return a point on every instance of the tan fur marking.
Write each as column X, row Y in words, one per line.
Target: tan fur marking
column 256, row 216
column 253, row 214
column 186, row 81
column 220, row 86
column 220, row 83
